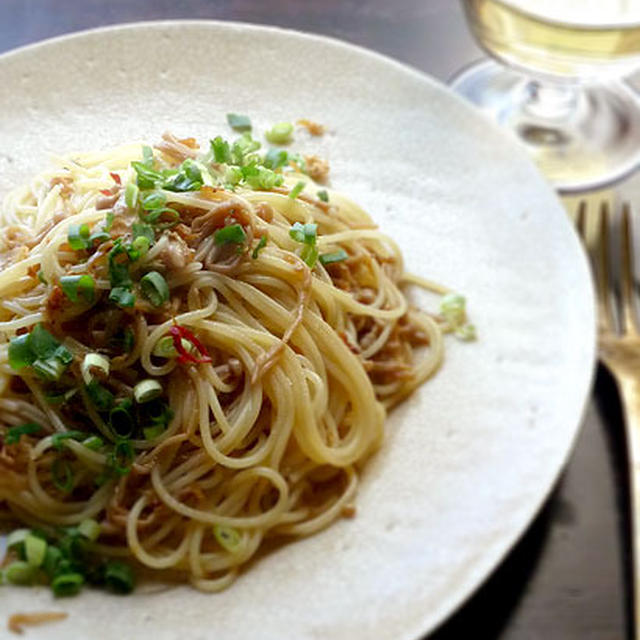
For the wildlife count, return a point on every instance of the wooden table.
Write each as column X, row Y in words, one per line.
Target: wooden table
column 567, row 577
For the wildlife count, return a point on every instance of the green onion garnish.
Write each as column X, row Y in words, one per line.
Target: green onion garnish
column 119, row 577
column 220, row 150
column 93, row 442
column 91, row 362
column 306, row 234
column 147, row 390
column 48, row 357
column 41, row 277
column 15, row 540
column 323, row 195
column 228, row 537
column 336, row 256
column 122, row 296
column 89, row 529
column 261, row 245
column 121, row 420
column 131, row 195
column 120, row 457
column 102, row 398
column 75, row 286
column 295, row 192
column 232, row 234
column 78, row 236
column 35, row 549
column 62, row 474
column 67, row 584
column 57, row 440
column 154, row 288
column 151, row 433
column 14, row 433
column 275, row 158
column 20, row 352
column 239, row 122
column 20, row 572
column 280, row 133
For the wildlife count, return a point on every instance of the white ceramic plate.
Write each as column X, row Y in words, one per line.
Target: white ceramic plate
column 470, row 458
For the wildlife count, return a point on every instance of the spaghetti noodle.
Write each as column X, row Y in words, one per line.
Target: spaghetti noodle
column 198, row 352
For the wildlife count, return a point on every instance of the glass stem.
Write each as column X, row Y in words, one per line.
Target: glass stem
column 553, row 102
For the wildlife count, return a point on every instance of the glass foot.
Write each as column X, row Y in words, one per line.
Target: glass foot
column 582, row 137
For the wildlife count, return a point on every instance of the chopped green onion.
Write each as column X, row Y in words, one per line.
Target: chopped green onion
column 74, row 286
column 122, row 296
column 14, row 433
column 102, row 398
column 67, row 584
column 108, row 220
column 147, row 156
column 154, row 288
column 20, row 572
column 188, row 177
column 41, row 350
column 242, row 149
column 466, row 333
column 50, row 369
column 151, row 433
column 280, row 133
column 228, row 537
column 261, row 245
column 147, row 390
column 295, row 192
column 93, row 442
column 220, row 150
column 35, row 549
column 131, row 195
column 118, row 268
column 52, row 558
column 275, row 158
column 62, row 475
column 323, row 195
column 306, row 233
column 336, row 256
column 20, row 352
column 232, row 234
column 54, row 398
column 57, row 440
column 99, row 236
column 120, row 457
column 258, row 177
column 238, row 122
column 41, row 277
column 45, row 346
column 121, row 421
column 89, row 529
column 78, row 236
column 453, row 311
column 93, row 361
column 119, row 577
column 164, row 348
column 15, row 540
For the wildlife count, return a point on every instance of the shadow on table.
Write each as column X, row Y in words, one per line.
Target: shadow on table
column 486, row 616
column 490, row 609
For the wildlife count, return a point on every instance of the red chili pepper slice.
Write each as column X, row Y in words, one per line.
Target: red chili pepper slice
column 116, row 178
column 106, row 192
column 177, row 333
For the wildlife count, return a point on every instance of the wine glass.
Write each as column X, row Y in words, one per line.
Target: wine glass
column 556, row 82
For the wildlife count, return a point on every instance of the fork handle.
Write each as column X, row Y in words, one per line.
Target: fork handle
column 630, row 392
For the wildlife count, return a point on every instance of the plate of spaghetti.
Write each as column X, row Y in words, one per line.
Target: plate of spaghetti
column 280, row 355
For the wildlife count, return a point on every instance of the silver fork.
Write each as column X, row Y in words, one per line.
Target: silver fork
column 619, row 348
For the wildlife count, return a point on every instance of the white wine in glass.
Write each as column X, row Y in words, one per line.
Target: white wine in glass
column 556, row 82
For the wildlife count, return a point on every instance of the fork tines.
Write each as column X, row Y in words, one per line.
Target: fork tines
column 608, row 239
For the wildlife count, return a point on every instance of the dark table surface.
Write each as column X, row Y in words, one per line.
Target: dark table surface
column 567, row 578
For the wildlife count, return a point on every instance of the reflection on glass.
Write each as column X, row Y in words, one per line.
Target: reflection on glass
column 556, row 82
